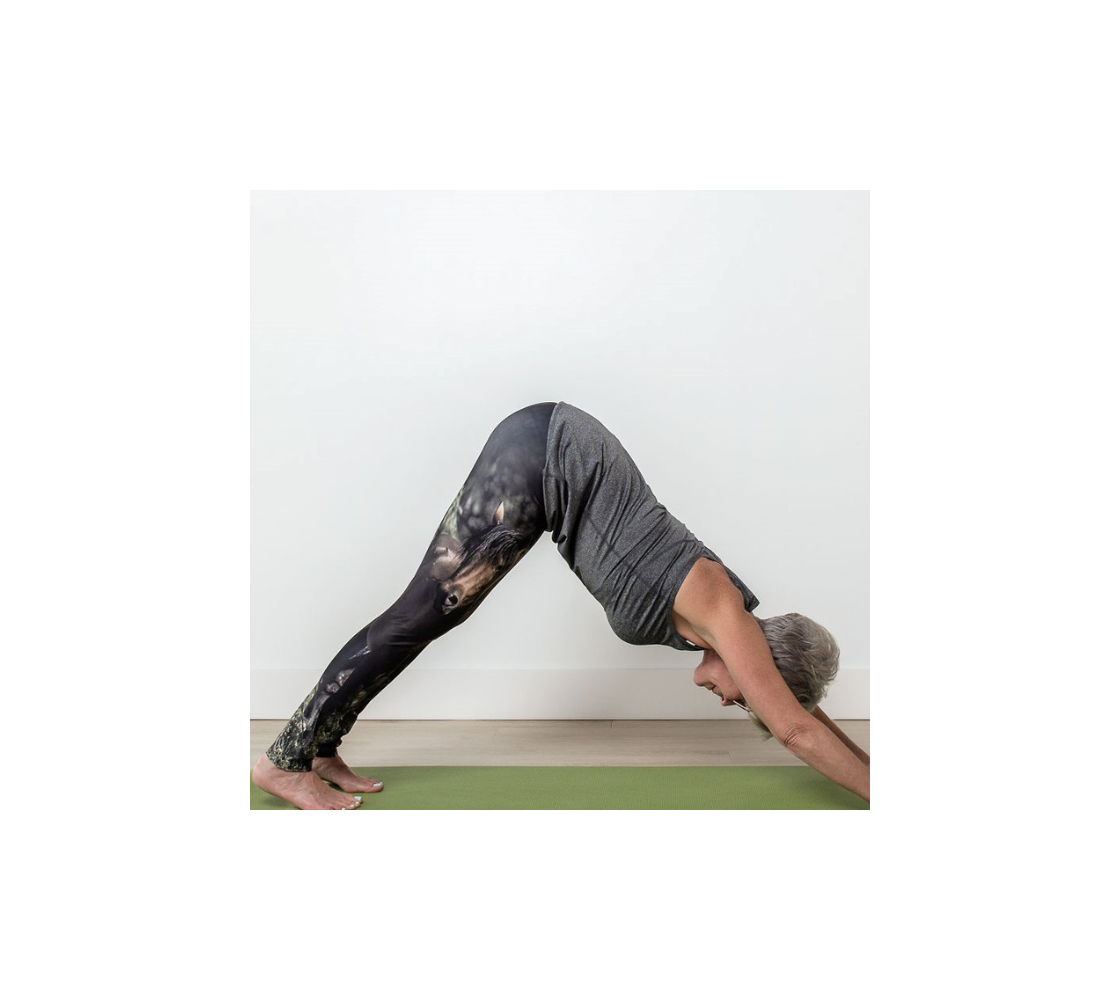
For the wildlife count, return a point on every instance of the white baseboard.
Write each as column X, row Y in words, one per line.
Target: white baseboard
column 540, row 694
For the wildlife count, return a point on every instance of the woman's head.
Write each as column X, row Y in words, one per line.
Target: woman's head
column 805, row 654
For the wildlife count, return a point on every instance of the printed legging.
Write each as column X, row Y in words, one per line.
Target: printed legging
column 496, row 518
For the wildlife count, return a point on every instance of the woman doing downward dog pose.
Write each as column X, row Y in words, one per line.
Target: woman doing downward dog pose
column 551, row 466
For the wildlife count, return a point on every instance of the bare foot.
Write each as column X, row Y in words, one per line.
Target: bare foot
column 334, row 770
column 302, row 789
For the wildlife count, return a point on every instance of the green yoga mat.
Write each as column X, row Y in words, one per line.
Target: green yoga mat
column 594, row 788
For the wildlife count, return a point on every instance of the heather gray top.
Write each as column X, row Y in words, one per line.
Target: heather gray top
column 625, row 547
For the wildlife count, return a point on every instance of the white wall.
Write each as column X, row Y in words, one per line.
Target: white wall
column 722, row 336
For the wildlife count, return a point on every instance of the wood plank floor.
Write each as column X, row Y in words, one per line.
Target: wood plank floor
column 655, row 743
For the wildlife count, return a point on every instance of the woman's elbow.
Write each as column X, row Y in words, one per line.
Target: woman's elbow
column 794, row 736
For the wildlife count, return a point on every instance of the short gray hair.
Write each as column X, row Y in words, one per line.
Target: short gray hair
column 805, row 654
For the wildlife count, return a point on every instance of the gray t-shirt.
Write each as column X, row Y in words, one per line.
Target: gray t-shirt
column 625, row 547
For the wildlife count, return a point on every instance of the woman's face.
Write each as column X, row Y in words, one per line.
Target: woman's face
column 714, row 675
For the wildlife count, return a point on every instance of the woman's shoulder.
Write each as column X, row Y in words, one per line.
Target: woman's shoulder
column 706, row 590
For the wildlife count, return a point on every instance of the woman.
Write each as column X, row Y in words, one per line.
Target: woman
column 553, row 466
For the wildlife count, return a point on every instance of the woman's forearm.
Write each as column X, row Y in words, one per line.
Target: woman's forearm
column 822, row 750
column 843, row 737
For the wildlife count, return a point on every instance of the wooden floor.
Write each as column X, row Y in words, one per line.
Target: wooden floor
column 732, row 742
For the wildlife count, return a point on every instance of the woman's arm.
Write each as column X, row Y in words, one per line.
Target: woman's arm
column 739, row 641
column 715, row 613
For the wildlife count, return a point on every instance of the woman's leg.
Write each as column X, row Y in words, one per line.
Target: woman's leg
column 496, row 518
